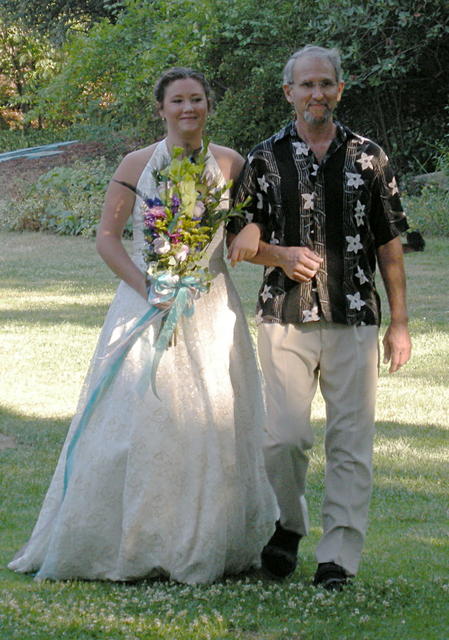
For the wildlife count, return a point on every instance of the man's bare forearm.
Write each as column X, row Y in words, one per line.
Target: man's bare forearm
column 391, row 265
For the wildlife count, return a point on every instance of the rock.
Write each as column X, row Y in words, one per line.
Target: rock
column 437, row 179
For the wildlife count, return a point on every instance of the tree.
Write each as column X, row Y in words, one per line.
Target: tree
column 394, row 53
column 27, row 61
column 109, row 71
column 55, row 17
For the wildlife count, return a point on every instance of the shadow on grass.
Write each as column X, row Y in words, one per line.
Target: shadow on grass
column 32, row 431
column 86, row 315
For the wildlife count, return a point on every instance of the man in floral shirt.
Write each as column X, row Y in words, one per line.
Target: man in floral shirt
column 327, row 204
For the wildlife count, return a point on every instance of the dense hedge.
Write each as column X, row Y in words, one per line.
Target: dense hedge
column 395, row 56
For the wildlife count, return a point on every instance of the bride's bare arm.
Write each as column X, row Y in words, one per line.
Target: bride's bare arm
column 118, row 205
column 244, row 245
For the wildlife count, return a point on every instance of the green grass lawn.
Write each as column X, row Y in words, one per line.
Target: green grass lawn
column 54, row 294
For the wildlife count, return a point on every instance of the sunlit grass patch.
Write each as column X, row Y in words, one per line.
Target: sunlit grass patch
column 55, row 293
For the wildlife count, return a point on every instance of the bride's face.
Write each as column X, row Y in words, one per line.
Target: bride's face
column 184, row 107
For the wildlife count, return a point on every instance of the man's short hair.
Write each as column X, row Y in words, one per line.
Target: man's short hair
column 332, row 55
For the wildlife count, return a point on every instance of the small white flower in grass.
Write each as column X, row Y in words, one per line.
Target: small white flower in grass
column 359, row 213
column 355, row 302
column 263, row 184
column 161, row 246
column 354, row 243
column 393, row 185
column 354, row 179
column 366, row 161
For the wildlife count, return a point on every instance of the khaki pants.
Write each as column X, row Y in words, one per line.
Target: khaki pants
column 344, row 360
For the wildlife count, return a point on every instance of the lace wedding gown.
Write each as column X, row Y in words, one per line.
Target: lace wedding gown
column 173, row 487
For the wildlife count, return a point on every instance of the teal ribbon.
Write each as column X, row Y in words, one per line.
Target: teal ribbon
column 179, row 294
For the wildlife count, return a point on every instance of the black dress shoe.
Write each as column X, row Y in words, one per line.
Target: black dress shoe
column 330, row 576
column 280, row 555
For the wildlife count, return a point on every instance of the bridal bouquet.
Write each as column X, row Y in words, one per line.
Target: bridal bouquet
column 179, row 226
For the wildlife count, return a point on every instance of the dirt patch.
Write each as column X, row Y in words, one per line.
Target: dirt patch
column 13, row 173
column 7, row 442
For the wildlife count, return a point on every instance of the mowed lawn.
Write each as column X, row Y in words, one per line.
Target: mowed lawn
column 55, row 292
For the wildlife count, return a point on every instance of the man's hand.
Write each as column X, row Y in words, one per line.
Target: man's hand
column 300, row 263
column 397, row 346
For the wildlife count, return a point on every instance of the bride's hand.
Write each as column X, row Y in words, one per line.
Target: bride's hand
column 245, row 244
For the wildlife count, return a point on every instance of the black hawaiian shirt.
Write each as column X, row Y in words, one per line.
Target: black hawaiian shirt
column 343, row 208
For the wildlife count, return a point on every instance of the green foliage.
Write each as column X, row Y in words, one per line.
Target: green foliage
column 65, row 200
column 11, row 139
column 55, row 17
column 393, row 53
column 110, row 71
column 246, row 52
column 428, row 211
column 27, row 61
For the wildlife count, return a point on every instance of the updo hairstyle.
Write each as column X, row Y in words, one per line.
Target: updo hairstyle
column 180, row 73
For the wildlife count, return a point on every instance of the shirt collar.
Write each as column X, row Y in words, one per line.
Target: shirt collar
column 343, row 133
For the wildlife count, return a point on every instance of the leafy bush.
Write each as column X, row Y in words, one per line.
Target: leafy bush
column 428, row 212
column 65, row 200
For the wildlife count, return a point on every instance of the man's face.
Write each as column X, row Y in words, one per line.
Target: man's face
column 315, row 92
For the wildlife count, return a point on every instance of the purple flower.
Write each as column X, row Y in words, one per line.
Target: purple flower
column 175, row 202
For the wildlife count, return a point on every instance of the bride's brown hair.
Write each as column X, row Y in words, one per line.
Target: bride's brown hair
column 181, row 73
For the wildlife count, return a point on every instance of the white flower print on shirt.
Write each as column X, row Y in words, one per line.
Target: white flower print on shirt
column 301, row 148
column 310, row 315
column 355, row 301
column 259, row 203
column 366, row 161
column 354, row 179
column 263, row 184
column 308, row 200
column 361, row 275
column 354, row 243
column 315, row 168
column 359, row 213
column 259, row 317
column 273, row 239
column 393, row 185
column 266, row 294
column 249, row 216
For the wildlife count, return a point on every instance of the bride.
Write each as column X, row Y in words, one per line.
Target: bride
column 170, row 485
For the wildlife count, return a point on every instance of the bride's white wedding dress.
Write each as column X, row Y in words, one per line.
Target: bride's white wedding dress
column 173, row 487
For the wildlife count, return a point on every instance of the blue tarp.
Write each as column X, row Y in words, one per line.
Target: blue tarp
column 35, row 152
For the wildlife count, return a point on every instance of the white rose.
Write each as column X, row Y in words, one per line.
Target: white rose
column 161, row 246
column 182, row 253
